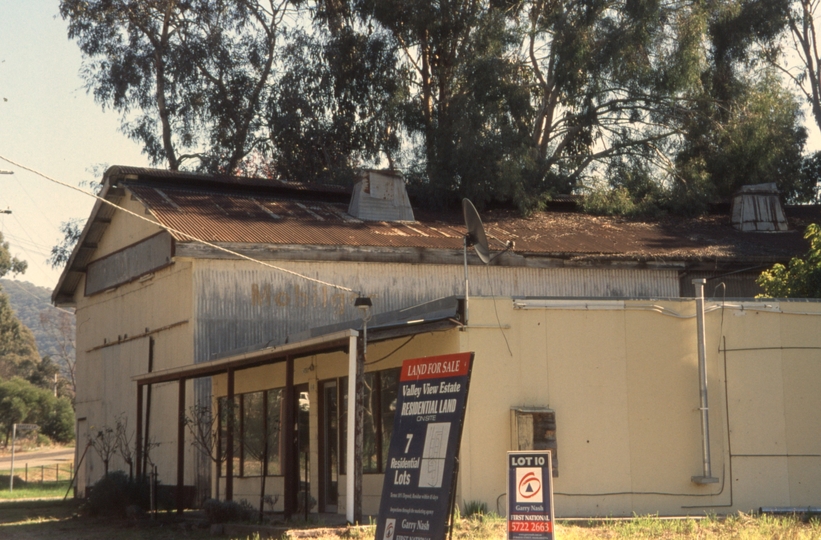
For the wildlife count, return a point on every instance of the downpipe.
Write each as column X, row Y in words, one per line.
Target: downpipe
column 707, row 473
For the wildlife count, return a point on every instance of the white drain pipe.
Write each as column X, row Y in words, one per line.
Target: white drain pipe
column 707, row 476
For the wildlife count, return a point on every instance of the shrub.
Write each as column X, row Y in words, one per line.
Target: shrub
column 228, row 511
column 22, row 402
column 475, row 508
column 301, row 502
column 112, row 495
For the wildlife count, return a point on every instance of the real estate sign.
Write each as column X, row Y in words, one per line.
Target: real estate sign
column 419, row 474
column 529, row 495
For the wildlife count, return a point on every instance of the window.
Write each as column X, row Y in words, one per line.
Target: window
column 534, row 429
column 254, row 438
column 389, row 387
column 225, row 409
column 257, row 418
column 274, row 422
column 379, row 404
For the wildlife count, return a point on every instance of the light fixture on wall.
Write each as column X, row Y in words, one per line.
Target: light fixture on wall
column 364, row 303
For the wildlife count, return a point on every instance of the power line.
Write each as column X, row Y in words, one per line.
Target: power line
column 178, row 232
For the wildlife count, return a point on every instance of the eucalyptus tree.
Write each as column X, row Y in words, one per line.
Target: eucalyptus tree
column 466, row 95
column 336, row 104
column 798, row 55
column 190, row 78
column 520, row 98
column 745, row 125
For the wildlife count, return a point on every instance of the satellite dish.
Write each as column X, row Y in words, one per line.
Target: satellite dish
column 476, row 231
column 476, row 237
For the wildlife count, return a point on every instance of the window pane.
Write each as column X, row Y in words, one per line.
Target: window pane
column 274, row 422
column 330, row 447
column 343, row 426
column 370, row 405
column 223, row 432
column 226, row 409
column 254, row 443
column 389, row 386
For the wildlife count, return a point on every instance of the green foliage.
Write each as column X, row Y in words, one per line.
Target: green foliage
column 189, row 78
column 753, row 140
column 71, row 229
column 18, row 351
column 32, row 490
column 802, row 278
column 631, row 191
column 53, row 332
column 811, row 173
column 334, row 105
column 503, row 102
column 114, row 493
column 22, row 402
column 9, row 263
column 474, row 508
column 32, row 304
column 228, row 511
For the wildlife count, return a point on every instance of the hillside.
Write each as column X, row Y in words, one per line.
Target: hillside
column 53, row 329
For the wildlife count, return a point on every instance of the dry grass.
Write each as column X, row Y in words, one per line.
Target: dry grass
column 736, row 527
column 49, row 519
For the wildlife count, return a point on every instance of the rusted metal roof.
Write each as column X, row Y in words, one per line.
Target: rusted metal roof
column 224, row 216
column 233, row 210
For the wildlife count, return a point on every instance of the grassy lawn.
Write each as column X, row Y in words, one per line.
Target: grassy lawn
column 29, row 520
column 31, row 490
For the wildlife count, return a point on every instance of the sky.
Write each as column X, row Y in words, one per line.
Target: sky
column 49, row 123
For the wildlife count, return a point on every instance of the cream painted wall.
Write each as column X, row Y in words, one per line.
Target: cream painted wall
column 113, row 331
column 624, row 385
column 623, row 382
column 126, row 229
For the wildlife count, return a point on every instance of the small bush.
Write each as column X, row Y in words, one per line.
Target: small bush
column 228, row 511
column 112, row 495
column 475, row 508
column 301, row 502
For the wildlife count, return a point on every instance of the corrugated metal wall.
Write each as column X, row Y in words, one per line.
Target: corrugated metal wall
column 239, row 304
column 741, row 285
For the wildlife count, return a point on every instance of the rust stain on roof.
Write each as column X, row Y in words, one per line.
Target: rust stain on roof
column 224, row 216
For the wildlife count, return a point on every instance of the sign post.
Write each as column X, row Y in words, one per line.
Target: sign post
column 14, row 429
column 421, row 467
column 529, row 495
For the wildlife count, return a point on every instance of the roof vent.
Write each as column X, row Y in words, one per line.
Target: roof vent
column 380, row 196
column 758, row 209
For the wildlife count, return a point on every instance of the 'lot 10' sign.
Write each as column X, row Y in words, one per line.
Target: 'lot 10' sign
column 529, row 496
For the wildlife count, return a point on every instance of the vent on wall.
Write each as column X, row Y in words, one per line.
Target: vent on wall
column 757, row 208
column 380, row 196
column 534, row 429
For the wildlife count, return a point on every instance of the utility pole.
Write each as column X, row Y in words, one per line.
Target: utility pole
column 3, row 171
